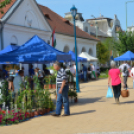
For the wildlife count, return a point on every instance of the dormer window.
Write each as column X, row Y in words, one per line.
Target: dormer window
column 47, row 16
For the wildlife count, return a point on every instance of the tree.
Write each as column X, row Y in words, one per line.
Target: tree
column 109, row 43
column 102, row 53
column 4, row 3
column 125, row 43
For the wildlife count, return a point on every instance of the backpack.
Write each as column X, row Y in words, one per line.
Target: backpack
column 125, row 70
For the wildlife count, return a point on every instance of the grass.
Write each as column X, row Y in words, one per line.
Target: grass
column 104, row 74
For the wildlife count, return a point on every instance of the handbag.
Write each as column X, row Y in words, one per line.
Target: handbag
column 124, row 93
column 109, row 93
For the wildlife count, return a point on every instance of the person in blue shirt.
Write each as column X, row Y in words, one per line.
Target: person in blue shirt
column 84, row 68
column 5, row 71
column 31, row 71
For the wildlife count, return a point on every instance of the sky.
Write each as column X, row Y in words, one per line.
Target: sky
column 94, row 7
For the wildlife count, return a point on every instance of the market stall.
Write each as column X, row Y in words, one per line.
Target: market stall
column 128, row 56
column 88, row 57
column 29, row 103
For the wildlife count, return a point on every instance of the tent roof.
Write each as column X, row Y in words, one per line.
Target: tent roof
column 128, row 56
column 80, row 59
column 87, row 56
column 35, row 50
column 9, row 48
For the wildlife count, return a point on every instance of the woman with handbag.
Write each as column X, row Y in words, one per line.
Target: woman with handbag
column 114, row 80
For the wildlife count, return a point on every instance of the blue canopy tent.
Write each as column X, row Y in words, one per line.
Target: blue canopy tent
column 128, row 56
column 79, row 59
column 35, row 51
column 9, row 48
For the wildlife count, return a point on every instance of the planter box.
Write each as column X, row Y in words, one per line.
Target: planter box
column 48, row 86
column 53, row 86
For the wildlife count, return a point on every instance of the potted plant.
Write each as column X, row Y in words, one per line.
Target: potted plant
column 53, row 81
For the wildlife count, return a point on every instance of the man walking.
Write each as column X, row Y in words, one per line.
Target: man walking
column 62, row 93
column 84, row 72
column 125, row 73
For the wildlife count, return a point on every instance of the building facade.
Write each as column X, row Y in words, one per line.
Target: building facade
column 100, row 27
column 23, row 19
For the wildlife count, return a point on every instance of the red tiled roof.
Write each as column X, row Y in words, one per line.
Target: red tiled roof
column 62, row 25
column 5, row 9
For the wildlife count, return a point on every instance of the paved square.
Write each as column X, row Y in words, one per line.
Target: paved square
column 93, row 113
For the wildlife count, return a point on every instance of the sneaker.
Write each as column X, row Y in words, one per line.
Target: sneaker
column 65, row 115
column 117, row 100
column 56, row 115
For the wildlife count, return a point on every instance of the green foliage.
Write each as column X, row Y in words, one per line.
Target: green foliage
column 72, row 93
column 104, row 74
column 4, row 88
column 125, row 43
column 110, row 44
column 4, row 4
column 39, row 97
column 102, row 53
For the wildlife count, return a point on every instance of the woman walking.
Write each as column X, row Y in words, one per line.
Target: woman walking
column 115, row 80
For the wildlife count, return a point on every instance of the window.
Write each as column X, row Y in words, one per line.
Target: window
column 90, row 52
column 83, row 49
column 86, row 29
column 66, row 49
column 14, row 40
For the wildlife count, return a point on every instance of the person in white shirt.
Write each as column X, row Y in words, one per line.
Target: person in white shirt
column 16, row 82
column 132, row 74
column 125, row 72
column 73, row 69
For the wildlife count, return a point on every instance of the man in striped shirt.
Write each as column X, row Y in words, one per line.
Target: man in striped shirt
column 62, row 93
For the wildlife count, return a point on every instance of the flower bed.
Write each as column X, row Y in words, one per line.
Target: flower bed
column 13, row 117
column 26, row 105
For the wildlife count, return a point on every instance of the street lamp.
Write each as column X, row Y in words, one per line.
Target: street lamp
column 96, row 25
column 74, row 12
column 126, row 12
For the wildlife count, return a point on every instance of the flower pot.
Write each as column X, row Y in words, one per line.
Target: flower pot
column 50, row 86
column 47, row 110
column 32, row 114
column 45, row 86
column 44, row 111
column 27, row 115
column 76, row 100
column 36, row 113
column 53, row 86
column 41, row 112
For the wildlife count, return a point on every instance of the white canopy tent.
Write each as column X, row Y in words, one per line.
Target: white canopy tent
column 88, row 57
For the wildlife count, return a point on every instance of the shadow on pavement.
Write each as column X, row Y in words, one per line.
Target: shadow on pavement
column 84, row 112
column 82, row 101
column 129, row 102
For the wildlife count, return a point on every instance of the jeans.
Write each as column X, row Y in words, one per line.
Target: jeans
column 63, row 98
column 85, row 75
column 125, row 81
column 117, row 91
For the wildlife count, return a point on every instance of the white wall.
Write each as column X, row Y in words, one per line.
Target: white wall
column 82, row 25
column 28, row 13
column 63, row 41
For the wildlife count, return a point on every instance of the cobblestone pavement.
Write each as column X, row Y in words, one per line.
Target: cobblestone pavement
column 93, row 113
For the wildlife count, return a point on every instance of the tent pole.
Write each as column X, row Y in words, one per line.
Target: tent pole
column 20, row 66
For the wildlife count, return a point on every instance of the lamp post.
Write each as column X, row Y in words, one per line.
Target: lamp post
column 74, row 12
column 96, row 26
column 126, row 12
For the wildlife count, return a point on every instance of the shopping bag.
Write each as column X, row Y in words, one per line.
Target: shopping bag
column 109, row 93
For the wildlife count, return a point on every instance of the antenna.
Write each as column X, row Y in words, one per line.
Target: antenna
column 100, row 11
